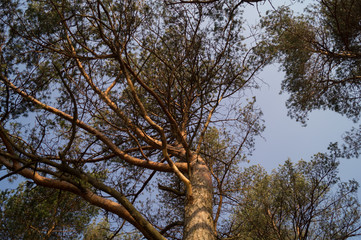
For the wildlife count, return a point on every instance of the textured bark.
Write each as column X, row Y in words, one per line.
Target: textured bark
column 198, row 210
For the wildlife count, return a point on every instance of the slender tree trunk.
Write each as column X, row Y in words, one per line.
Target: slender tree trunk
column 198, row 211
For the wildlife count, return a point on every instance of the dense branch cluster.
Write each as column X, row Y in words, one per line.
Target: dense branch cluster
column 126, row 91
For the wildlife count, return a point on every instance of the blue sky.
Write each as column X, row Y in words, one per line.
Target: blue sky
column 285, row 138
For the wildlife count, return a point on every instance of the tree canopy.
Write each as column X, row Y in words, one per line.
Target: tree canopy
column 140, row 108
column 35, row 212
column 306, row 200
column 320, row 52
column 120, row 97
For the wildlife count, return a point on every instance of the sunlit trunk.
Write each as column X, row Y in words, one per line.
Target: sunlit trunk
column 198, row 211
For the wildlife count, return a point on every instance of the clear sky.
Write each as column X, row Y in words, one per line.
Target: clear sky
column 285, row 138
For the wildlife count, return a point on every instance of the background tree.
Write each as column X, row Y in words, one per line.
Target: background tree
column 119, row 96
column 297, row 201
column 98, row 230
column 102, row 230
column 320, row 52
column 35, row 212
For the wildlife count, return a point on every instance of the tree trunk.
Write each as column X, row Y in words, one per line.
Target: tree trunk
column 198, row 210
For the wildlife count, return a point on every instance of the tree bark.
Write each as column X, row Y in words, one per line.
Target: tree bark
column 198, row 218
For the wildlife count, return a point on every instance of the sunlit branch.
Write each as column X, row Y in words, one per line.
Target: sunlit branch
column 141, row 223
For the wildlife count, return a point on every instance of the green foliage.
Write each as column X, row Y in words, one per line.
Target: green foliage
column 33, row 212
column 101, row 230
column 98, row 230
column 297, row 201
column 320, row 52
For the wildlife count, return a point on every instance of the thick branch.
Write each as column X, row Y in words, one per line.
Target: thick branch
column 127, row 211
column 86, row 194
